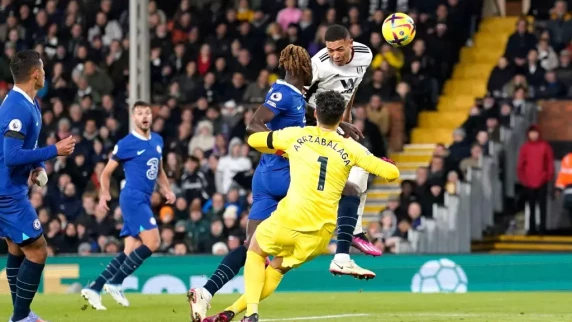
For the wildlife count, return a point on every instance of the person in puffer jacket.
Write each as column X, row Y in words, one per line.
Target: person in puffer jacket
column 535, row 170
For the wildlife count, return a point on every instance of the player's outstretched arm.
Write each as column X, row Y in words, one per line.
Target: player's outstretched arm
column 378, row 167
column 259, row 141
column 274, row 140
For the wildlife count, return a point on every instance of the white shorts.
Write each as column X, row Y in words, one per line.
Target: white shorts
column 360, row 177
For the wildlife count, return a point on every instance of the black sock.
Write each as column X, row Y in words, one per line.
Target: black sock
column 130, row 264
column 110, row 271
column 347, row 220
column 12, row 267
column 227, row 269
column 29, row 278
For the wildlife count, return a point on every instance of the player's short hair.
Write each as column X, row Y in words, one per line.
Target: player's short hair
column 140, row 104
column 336, row 32
column 330, row 107
column 23, row 63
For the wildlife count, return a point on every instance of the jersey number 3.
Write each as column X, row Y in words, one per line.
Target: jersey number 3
column 153, row 164
column 323, row 168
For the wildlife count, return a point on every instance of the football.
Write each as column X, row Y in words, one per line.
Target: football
column 398, row 29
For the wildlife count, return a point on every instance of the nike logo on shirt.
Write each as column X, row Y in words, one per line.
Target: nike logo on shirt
column 140, row 152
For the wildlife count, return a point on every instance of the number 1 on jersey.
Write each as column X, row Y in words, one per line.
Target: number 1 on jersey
column 323, row 166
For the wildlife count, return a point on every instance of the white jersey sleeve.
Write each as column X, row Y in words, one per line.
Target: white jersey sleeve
column 342, row 79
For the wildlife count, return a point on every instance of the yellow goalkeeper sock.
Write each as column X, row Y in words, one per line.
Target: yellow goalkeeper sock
column 254, row 278
column 272, row 280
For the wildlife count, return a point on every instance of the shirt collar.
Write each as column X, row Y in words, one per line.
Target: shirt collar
column 19, row 90
column 281, row 82
column 141, row 137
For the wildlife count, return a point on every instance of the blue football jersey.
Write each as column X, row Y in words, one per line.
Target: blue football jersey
column 141, row 158
column 21, row 115
column 289, row 108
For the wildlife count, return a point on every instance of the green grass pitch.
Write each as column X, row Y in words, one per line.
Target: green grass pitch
column 331, row 307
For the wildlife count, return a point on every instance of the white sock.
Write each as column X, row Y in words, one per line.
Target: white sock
column 342, row 257
column 207, row 295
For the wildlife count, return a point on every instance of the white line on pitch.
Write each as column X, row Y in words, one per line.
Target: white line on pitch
column 318, row 317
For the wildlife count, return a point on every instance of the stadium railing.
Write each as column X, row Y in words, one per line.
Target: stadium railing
column 467, row 214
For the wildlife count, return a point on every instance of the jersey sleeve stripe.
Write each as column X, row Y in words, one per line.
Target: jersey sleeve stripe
column 324, row 59
column 324, row 55
column 269, row 139
column 361, row 47
column 361, row 51
column 14, row 135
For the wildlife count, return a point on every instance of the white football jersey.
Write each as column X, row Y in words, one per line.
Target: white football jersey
column 343, row 79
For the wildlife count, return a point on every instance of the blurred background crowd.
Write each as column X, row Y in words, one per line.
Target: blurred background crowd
column 212, row 63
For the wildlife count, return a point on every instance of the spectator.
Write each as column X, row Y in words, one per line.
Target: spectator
column 546, row 55
column 520, row 43
column 289, row 15
column 473, row 161
column 533, row 71
column 500, row 76
column 204, row 139
column 434, row 195
column 564, row 69
column 416, row 216
column 564, row 183
column 231, row 165
column 535, row 170
column 550, row 88
column 256, row 92
column 452, row 185
column 458, row 150
column 560, row 25
column 197, row 65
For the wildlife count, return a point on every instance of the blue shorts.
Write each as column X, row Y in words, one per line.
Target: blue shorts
column 268, row 188
column 18, row 220
column 136, row 210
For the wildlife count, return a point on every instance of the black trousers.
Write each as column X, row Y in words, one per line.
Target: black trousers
column 534, row 197
column 567, row 203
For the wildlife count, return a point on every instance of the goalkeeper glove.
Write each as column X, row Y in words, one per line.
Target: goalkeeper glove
column 388, row 160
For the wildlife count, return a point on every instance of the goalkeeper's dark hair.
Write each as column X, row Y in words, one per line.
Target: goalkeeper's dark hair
column 330, row 107
column 296, row 61
column 336, row 32
column 140, row 104
column 23, row 63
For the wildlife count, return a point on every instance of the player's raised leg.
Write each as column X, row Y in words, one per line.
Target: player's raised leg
column 198, row 306
column 268, row 189
column 199, row 298
column 359, row 177
column 342, row 264
column 92, row 294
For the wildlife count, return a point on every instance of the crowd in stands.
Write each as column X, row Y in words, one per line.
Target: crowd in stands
column 212, row 63
column 536, row 65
